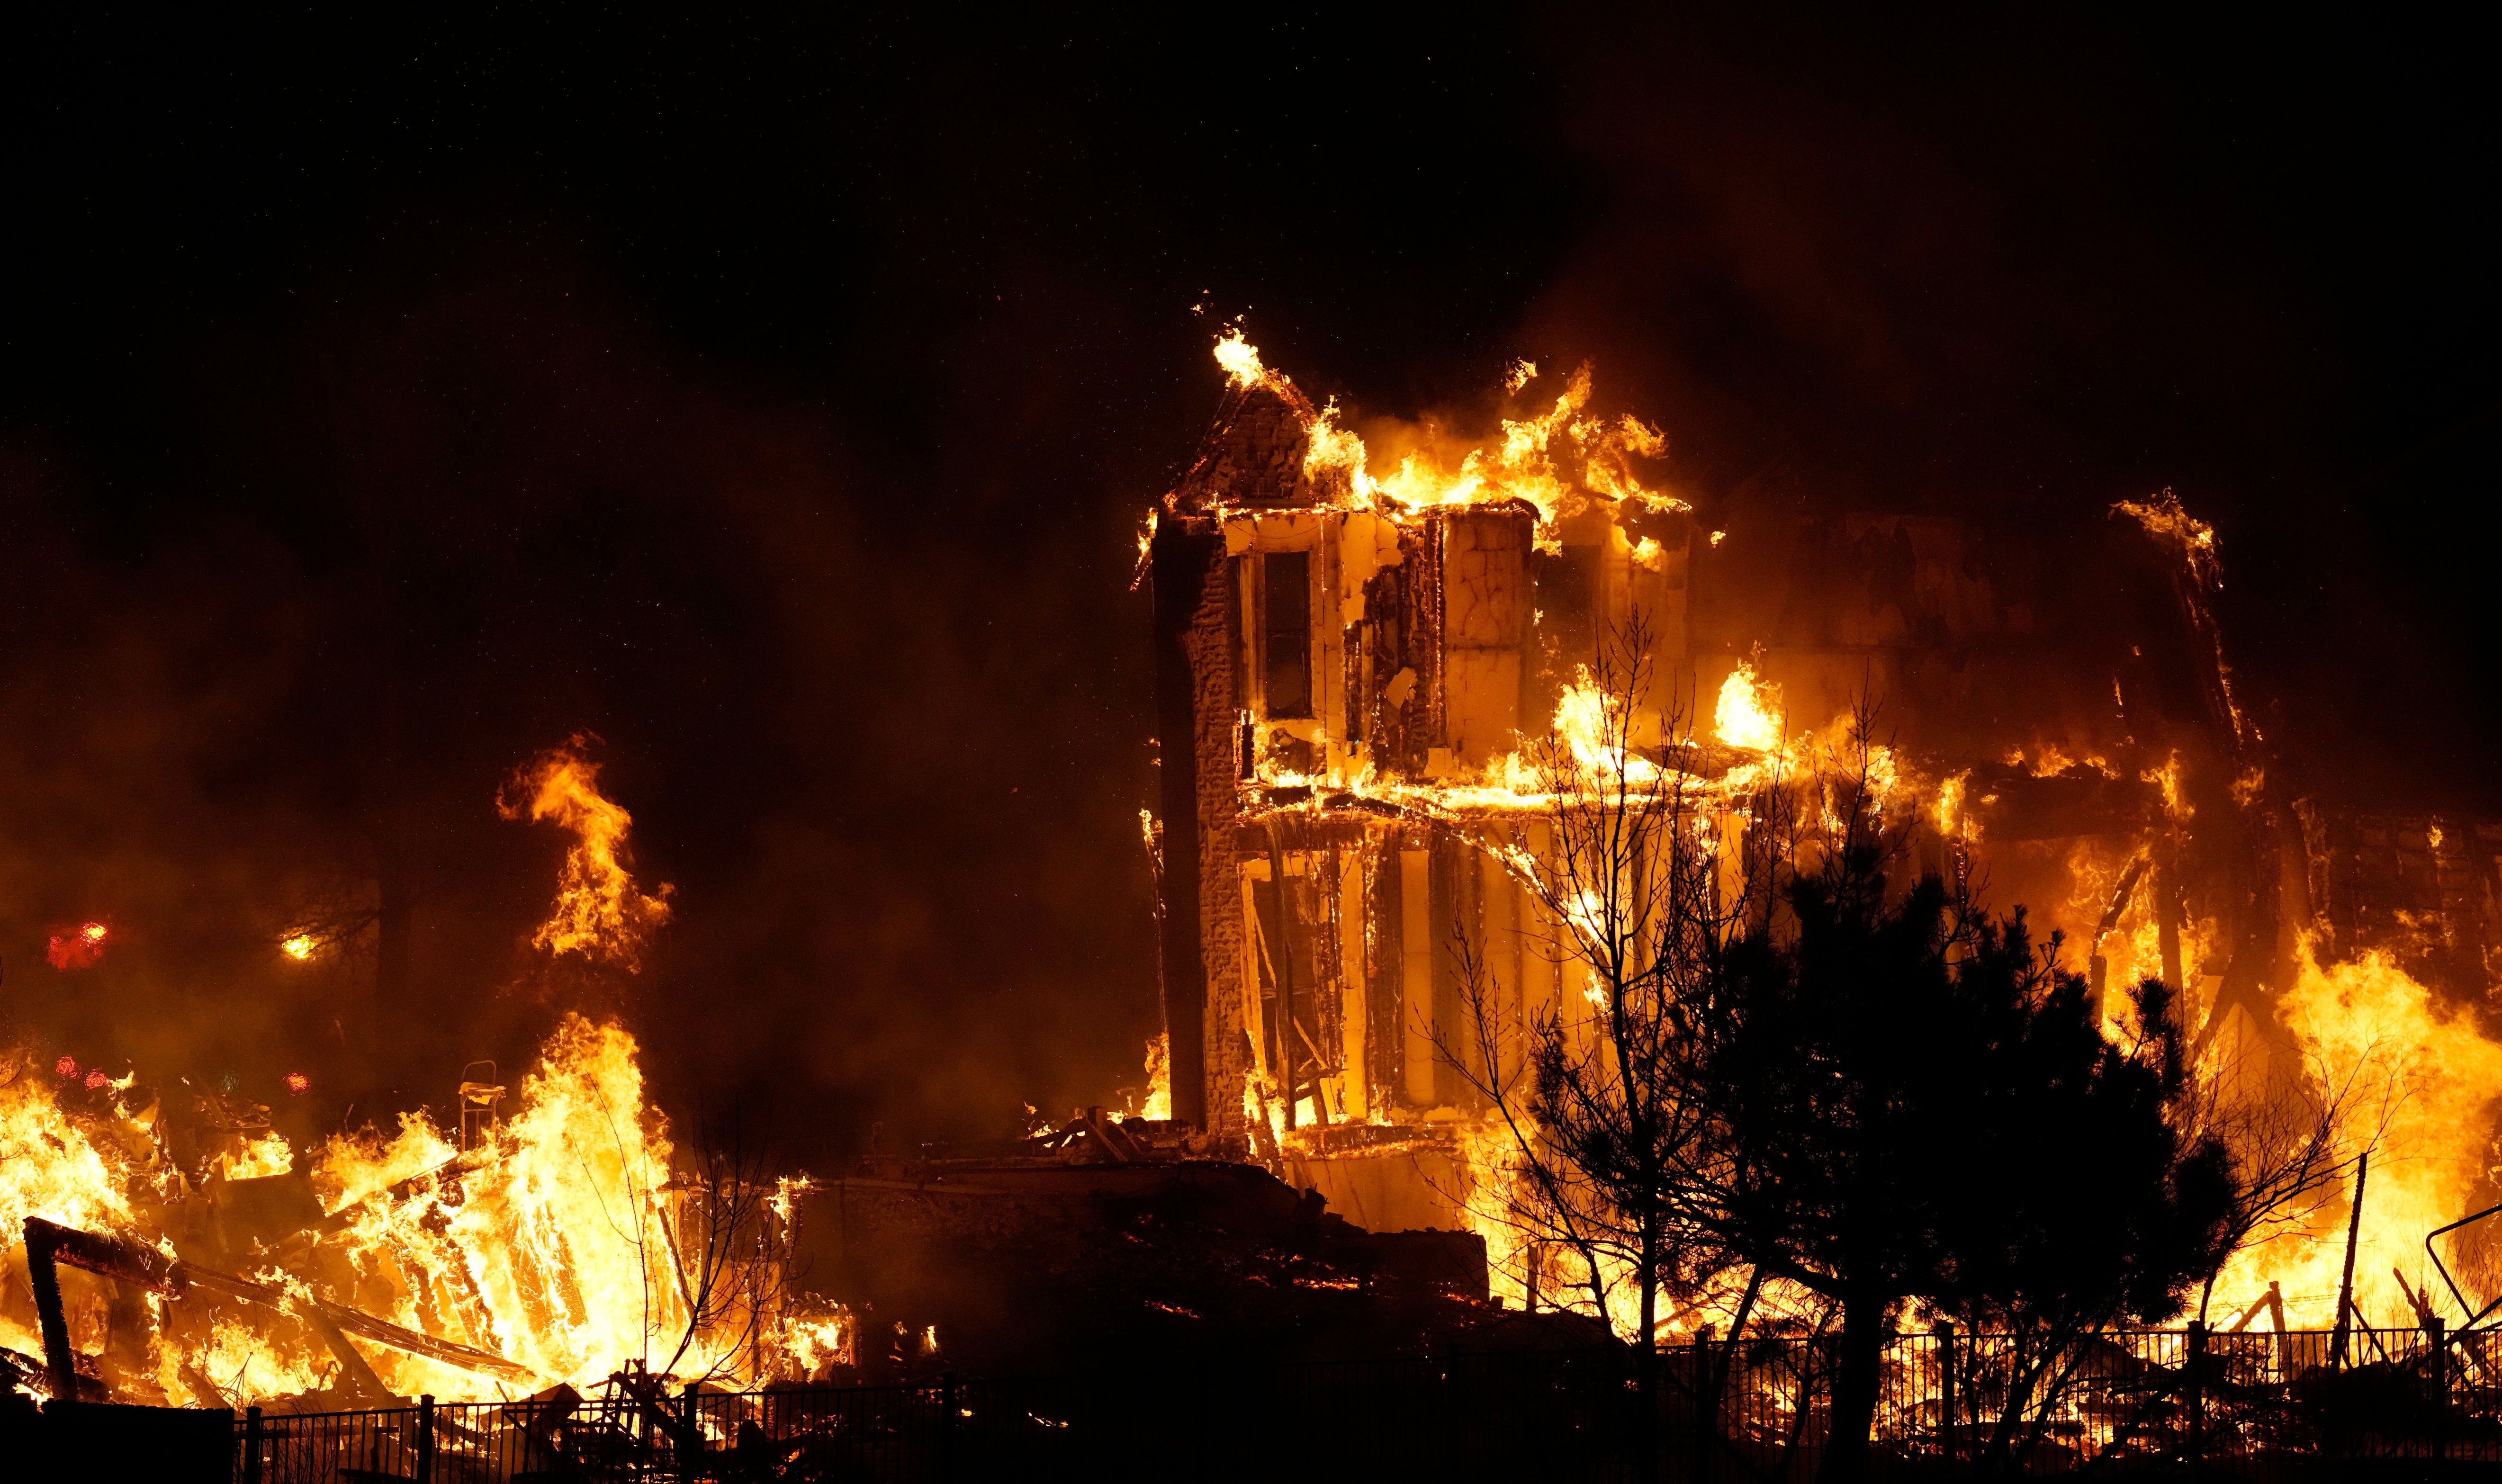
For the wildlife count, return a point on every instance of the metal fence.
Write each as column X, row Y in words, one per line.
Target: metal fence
column 2254, row 1404
column 951, row 1430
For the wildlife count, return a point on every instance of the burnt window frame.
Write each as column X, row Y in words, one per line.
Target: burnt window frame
column 1286, row 629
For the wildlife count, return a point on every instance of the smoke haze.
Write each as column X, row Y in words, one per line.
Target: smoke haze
column 779, row 405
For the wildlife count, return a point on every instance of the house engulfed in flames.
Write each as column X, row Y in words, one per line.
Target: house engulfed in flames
column 1358, row 633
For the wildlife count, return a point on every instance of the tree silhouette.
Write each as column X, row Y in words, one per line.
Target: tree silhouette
column 1910, row 1102
column 1785, row 1059
column 1597, row 1113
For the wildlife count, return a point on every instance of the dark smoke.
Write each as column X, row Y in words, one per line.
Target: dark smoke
column 1988, row 266
column 778, row 404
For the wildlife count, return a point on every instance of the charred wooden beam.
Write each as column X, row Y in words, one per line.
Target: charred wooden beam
column 538, row 1417
column 106, row 1256
column 2100, row 967
column 47, row 1246
column 1115, row 1139
column 29, row 1374
column 204, row 1391
column 360, row 1378
column 112, row 1257
column 678, row 1424
column 364, row 1326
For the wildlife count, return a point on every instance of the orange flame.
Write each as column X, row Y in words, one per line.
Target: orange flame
column 1557, row 459
column 1239, row 357
column 2426, row 1077
column 1744, row 714
column 563, row 1245
column 598, row 913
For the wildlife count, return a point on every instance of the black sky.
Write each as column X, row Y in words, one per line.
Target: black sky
column 776, row 400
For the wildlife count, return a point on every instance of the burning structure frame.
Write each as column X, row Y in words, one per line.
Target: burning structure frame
column 1350, row 660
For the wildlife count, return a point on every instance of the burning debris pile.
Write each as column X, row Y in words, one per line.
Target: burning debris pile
column 184, row 1255
column 1100, row 1238
column 1374, row 641
column 167, row 1246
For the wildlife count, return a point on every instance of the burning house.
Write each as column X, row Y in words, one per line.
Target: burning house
column 1366, row 640
column 1359, row 638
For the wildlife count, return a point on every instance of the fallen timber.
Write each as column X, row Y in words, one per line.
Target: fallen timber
column 48, row 1245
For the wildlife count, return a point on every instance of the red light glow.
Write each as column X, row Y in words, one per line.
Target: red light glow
column 77, row 948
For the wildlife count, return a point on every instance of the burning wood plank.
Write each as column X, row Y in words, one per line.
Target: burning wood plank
column 48, row 1245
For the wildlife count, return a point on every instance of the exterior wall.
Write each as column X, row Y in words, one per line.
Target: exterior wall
column 2427, row 888
column 1426, row 659
column 1216, row 688
column 1485, row 632
column 1199, row 748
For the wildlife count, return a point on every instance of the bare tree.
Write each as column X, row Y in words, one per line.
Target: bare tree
column 1794, row 1064
column 1625, row 870
column 2292, row 1149
column 721, row 1220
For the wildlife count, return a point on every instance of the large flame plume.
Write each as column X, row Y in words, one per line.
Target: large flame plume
column 598, row 913
column 560, row 1244
column 2422, row 1083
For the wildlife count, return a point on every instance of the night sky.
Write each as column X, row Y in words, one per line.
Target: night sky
column 777, row 401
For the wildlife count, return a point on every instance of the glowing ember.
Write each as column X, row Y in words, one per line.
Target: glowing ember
column 300, row 947
column 298, row 1083
column 67, row 1067
column 1159, row 1099
column 81, row 948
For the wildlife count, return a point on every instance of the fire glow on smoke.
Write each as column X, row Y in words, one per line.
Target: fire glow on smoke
column 560, row 1246
column 2420, row 1082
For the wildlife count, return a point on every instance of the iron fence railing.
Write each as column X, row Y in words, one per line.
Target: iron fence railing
column 1999, row 1403
column 2253, row 1403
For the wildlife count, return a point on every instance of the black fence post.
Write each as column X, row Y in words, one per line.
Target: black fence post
column 1706, row 1398
column 947, row 1425
column 252, row 1445
column 1944, row 1333
column 2435, row 1332
column 690, row 1433
column 2197, row 1361
column 425, row 1438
